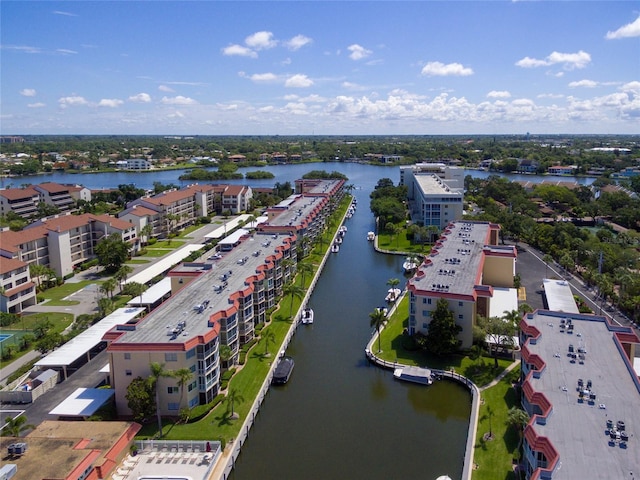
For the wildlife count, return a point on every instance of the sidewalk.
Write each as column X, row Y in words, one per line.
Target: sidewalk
column 16, row 364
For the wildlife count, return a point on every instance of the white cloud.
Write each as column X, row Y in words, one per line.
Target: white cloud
column 65, row 51
column 298, row 42
column 626, row 31
column 550, row 95
column 140, row 98
column 239, row 50
column 164, row 88
column 72, row 101
column 439, row 69
column 351, row 85
column 498, row 94
column 263, row 77
column 260, row 41
column 358, row 52
column 110, row 102
column 28, row 92
column 583, row 83
column 66, row 14
column 179, row 100
column 298, row 81
column 633, row 87
column 22, row 48
column 36, row 105
column 569, row 61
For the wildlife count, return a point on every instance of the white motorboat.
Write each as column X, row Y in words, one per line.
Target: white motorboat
column 338, row 240
column 371, row 236
column 307, row 316
column 335, row 248
column 414, row 374
column 393, row 294
column 410, row 264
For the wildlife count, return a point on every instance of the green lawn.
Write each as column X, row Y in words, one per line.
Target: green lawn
column 64, row 290
column 400, row 243
column 157, row 252
column 136, row 261
column 170, row 244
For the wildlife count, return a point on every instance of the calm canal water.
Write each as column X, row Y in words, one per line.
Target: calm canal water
column 340, row 417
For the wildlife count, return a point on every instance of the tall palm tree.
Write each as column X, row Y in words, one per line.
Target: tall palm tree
column 225, row 353
column 287, row 265
column 146, row 232
column 294, row 291
column 183, row 375
column 157, row 372
column 305, row 268
column 269, row 337
column 122, row 274
column 14, row 426
column 108, row 286
column 377, row 319
column 393, row 283
column 232, row 397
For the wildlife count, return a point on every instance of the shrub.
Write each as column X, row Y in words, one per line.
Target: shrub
column 152, row 241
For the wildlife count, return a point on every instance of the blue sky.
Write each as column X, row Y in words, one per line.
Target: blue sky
column 319, row 67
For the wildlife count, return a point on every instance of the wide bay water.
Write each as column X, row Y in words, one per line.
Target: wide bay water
column 340, row 417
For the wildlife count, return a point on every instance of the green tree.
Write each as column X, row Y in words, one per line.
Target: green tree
column 442, row 336
column 305, row 268
column 112, row 252
column 377, row 319
column 226, row 354
column 294, row 291
column 145, row 233
column 49, row 341
column 393, row 283
column 122, row 274
column 518, row 419
column 233, row 397
column 108, row 286
column 498, row 333
column 269, row 337
column 157, row 372
column 105, row 306
column 140, row 399
column 183, row 376
column 15, row 426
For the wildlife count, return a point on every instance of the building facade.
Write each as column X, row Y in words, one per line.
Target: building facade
column 17, row 291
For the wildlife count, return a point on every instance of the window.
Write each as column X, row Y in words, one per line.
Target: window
column 425, row 325
column 424, row 300
column 428, row 301
column 460, row 317
column 170, row 357
column 127, row 356
column 459, row 304
column 191, row 353
column 128, row 373
column 172, row 390
column 192, row 368
column 192, row 385
column 173, row 406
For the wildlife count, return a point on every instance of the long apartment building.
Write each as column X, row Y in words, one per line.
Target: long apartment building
column 471, row 271
column 176, row 209
column 63, row 241
column 435, row 193
column 24, row 201
column 304, row 213
column 216, row 302
column 582, row 393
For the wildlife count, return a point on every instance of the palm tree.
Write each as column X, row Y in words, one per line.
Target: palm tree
column 108, row 286
column 512, row 316
column 294, row 291
column 16, row 425
column 183, row 375
column 225, row 353
column 146, row 232
column 517, row 418
column 122, row 274
column 158, row 371
column 137, row 289
column 377, row 318
column 232, row 397
column 269, row 337
column 287, row 265
column 393, row 283
column 305, row 268
column 36, row 271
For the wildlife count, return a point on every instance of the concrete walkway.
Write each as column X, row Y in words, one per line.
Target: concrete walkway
column 516, row 363
column 16, row 364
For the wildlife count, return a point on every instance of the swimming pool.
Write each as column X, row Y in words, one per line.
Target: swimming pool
column 5, row 336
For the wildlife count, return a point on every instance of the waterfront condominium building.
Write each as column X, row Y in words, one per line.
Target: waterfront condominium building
column 435, row 193
column 218, row 301
column 17, row 291
column 471, row 271
column 63, row 241
column 582, row 393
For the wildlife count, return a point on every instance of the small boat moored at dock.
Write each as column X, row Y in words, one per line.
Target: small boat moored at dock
column 283, row 371
column 371, row 236
column 307, row 316
column 414, row 374
column 393, row 294
column 335, row 248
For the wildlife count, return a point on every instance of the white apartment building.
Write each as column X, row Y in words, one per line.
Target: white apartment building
column 435, row 193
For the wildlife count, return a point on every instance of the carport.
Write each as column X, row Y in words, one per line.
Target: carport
column 81, row 345
column 156, row 294
column 164, row 264
column 83, row 403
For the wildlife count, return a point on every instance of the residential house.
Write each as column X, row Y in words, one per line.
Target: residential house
column 17, row 291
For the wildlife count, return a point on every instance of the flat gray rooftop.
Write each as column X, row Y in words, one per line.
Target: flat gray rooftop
column 455, row 266
column 577, row 430
column 242, row 262
column 296, row 212
column 323, row 186
column 431, row 184
column 559, row 296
